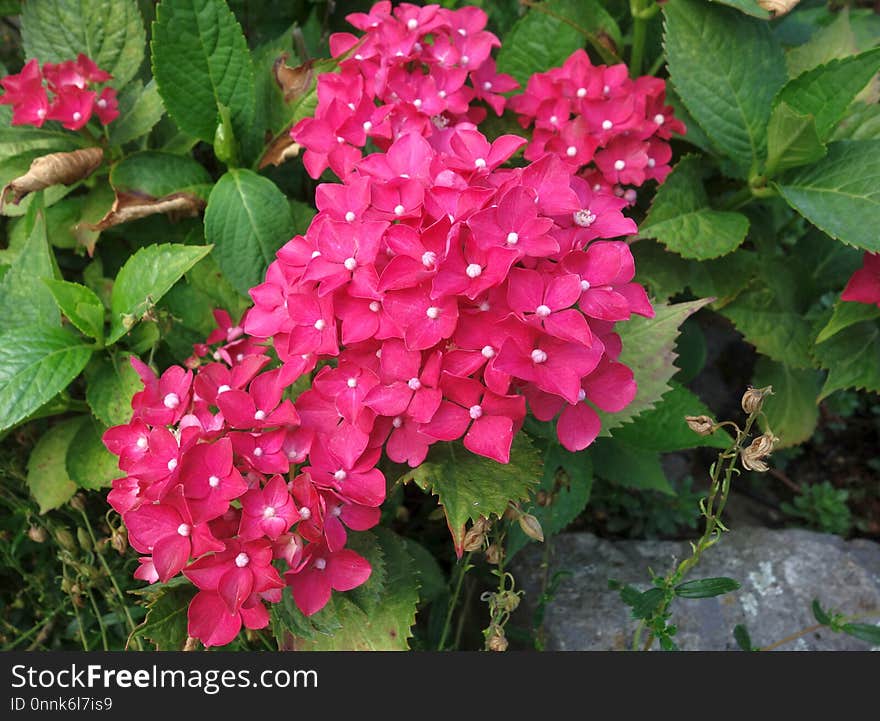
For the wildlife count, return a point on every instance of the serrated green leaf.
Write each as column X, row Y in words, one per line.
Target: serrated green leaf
column 139, row 111
column 368, row 596
column 749, row 7
column 629, row 466
column 852, row 359
column 694, row 135
column 566, row 484
column 663, row 427
column 111, row 383
column 825, row 92
column 705, row 47
column 863, row 631
column 841, row 193
column 835, row 40
column 36, row 363
column 432, row 580
column 47, row 476
column 24, row 297
column 470, row 486
column 110, row 32
column 862, row 122
column 682, row 219
column 166, row 623
column 388, row 627
column 706, row 587
column 247, row 219
column 648, row 349
column 89, row 463
column 81, row 306
column 156, row 174
column 647, row 602
column 792, row 140
column 526, row 49
column 201, row 61
column 791, row 412
column 846, row 314
column 145, row 278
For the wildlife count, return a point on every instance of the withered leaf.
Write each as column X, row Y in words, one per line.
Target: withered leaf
column 132, row 206
column 53, row 169
column 294, row 82
column 778, row 7
column 280, row 150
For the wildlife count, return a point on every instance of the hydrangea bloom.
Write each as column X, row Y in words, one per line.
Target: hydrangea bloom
column 442, row 293
column 864, row 286
column 66, row 91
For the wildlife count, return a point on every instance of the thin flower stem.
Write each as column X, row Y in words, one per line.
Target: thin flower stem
column 82, row 635
column 461, row 569
column 98, row 618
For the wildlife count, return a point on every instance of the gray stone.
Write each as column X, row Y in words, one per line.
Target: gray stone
column 781, row 572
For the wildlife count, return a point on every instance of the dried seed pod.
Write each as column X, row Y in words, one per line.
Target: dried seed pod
column 37, row 534
column 85, row 543
column 531, row 526
column 752, row 458
column 753, row 398
column 119, row 540
column 65, row 539
column 496, row 641
column 494, row 554
column 475, row 538
column 701, row 425
column 78, row 502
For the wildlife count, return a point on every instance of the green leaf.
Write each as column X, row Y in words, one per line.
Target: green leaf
column 749, row 7
column 139, row 111
column 663, row 427
column 201, row 61
column 629, row 466
column 566, row 486
column 89, row 463
column 81, row 306
column 24, row 297
column 156, row 174
column 835, row 40
column 166, row 623
column 470, row 486
column 682, row 219
column 846, row 314
column 852, row 359
column 820, row 613
column 863, row 631
column 368, row 595
column 526, row 49
column 47, row 476
column 647, row 602
column 694, row 135
column 791, row 412
column 726, row 68
column 247, row 219
column 432, row 580
column 145, row 278
column 36, row 363
column 649, row 350
column 706, row 587
column 110, row 32
column 792, row 140
column 742, row 638
column 111, row 383
column 841, row 193
column 827, row 91
column 389, row 625
column 862, row 122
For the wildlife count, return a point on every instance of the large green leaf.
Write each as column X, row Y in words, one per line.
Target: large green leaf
column 47, row 476
column 81, row 306
column 110, row 32
column 844, row 315
column 835, row 40
column 629, row 466
column 140, row 108
column 470, row 486
column 145, row 278
column 841, row 193
column 111, row 383
column 388, row 625
column 36, row 363
column 546, row 35
column 663, row 428
column 826, row 91
column 201, row 62
column 89, row 463
column 852, row 359
column 565, row 488
column 649, row 350
column 165, row 625
column 156, row 174
column 247, row 219
column 792, row 140
column 791, row 412
column 24, row 297
column 682, row 219
column 726, row 68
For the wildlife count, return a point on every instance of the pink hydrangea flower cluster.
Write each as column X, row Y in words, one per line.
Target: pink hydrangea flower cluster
column 66, row 92
column 864, row 285
column 415, row 69
column 596, row 116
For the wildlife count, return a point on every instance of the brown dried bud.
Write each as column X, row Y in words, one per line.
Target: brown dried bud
column 85, row 543
column 753, row 399
column 475, row 538
column 543, row 499
column 494, row 554
column 191, row 644
column 37, row 534
column 119, row 540
column 701, row 425
column 78, row 502
column 509, row 601
column 496, row 640
column 65, row 539
column 753, row 457
column 778, row 7
column 531, row 526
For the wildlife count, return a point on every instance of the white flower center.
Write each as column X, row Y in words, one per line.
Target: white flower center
column 475, row 412
column 268, row 512
column 571, row 151
column 474, row 270
column 465, row 59
column 417, row 102
column 350, row 264
column 487, row 85
column 397, row 422
column 258, row 452
column 172, row 464
column 141, row 442
column 414, row 384
column 659, row 119
column 553, row 120
column 619, row 164
column 340, row 475
column 213, row 481
column 316, row 254
column 429, row 258
column 368, row 126
column 512, row 238
column 41, row 113
column 320, row 324
column 223, row 389
column 542, row 311
column 488, row 351
column 433, row 312
column 412, row 23
column 584, row 218
column 102, row 103
column 304, row 513
column 77, row 116
column 582, row 394
column 184, row 529
column 606, row 89
column 374, row 306
column 651, row 162
column 585, row 285
column 172, row 400
column 350, row 216
column 259, row 415
column 441, row 94
column 538, row 356
column 480, row 163
column 582, row 92
column 607, row 125
column 242, row 560
column 352, row 382
column 484, row 306
column 320, row 564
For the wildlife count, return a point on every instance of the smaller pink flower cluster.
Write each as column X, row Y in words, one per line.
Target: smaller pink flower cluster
column 864, row 286
column 416, row 69
column 588, row 114
column 64, row 92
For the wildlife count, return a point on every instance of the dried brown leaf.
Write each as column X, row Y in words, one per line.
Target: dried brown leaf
column 294, row 82
column 282, row 149
column 53, row 169
column 132, row 206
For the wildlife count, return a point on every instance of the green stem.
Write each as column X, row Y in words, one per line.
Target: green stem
column 98, row 619
column 738, row 199
column 640, row 33
column 461, row 569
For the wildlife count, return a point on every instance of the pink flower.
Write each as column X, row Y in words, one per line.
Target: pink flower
column 211, row 621
column 546, row 302
column 210, row 480
column 321, row 571
column 864, row 286
column 26, row 94
column 269, row 511
column 72, row 107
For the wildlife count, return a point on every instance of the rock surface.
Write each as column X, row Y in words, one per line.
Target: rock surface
column 781, row 572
